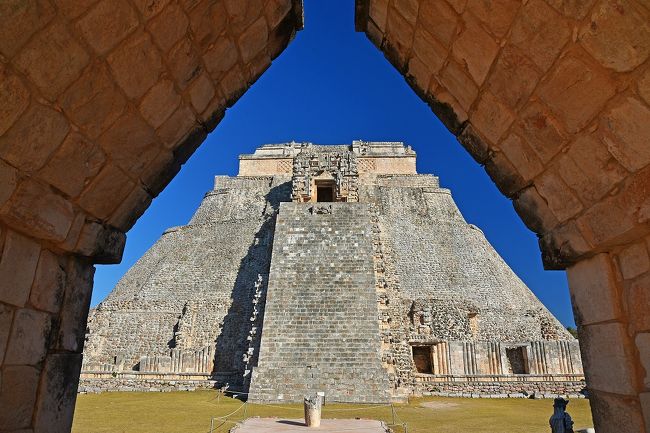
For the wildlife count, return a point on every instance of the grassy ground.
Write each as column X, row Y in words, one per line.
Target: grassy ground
column 191, row 412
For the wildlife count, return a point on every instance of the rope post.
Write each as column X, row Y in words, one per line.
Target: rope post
column 211, row 424
column 245, row 409
column 392, row 409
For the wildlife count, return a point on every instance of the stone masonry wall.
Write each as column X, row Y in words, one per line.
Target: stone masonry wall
column 440, row 280
column 103, row 101
column 113, row 384
column 553, row 99
column 448, row 269
column 194, row 288
column 514, row 389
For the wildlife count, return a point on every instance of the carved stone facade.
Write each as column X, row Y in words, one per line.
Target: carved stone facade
column 334, row 170
column 373, row 290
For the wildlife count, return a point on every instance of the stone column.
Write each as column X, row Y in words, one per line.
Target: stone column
column 610, row 293
column 44, row 301
column 313, row 406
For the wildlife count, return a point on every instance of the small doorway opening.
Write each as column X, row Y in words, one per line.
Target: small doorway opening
column 325, row 192
column 422, row 359
column 518, row 360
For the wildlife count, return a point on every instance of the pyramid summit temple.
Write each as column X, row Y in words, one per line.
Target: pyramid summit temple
column 331, row 268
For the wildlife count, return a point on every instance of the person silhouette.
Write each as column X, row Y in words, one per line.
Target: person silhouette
column 560, row 421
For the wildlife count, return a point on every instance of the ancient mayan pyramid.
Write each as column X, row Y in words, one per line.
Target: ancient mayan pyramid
column 328, row 268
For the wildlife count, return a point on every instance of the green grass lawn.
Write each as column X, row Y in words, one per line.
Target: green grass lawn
column 136, row 412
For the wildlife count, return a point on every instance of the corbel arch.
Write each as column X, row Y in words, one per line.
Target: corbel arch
column 101, row 103
column 553, row 98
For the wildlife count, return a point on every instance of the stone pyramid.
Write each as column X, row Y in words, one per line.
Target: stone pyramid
column 328, row 268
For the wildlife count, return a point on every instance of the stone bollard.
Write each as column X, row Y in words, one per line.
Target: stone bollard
column 312, row 410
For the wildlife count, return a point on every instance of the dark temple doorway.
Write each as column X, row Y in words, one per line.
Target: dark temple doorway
column 422, row 359
column 325, row 193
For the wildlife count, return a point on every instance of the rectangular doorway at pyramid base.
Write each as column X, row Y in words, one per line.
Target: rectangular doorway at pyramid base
column 497, row 369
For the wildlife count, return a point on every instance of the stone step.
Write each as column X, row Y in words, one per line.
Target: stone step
column 321, row 309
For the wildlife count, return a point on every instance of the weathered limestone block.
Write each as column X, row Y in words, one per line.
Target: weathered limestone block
column 18, row 394
column 28, row 338
column 120, row 14
column 76, row 161
column 6, row 317
column 642, row 342
column 634, row 261
column 57, row 394
column 627, row 122
column 475, row 48
column 20, row 252
column 94, row 101
column 79, row 165
column 159, row 103
column 15, row 98
column 74, row 309
column 312, row 411
column 609, row 28
column 637, row 302
column 609, row 358
column 42, row 129
column 52, row 60
column 576, row 105
column 624, row 411
column 38, row 210
column 594, row 290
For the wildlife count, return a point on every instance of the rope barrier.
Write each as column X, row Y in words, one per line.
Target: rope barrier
column 397, row 421
column 231, row 413
column 357, row 408
column 224, row 391
column 213, row 427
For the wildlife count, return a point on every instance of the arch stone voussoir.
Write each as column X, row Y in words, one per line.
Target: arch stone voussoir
column 103, row 101
column 552, row 98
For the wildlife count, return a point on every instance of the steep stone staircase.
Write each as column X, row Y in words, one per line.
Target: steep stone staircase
column 321, row 329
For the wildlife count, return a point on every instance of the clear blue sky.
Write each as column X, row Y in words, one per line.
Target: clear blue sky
column 330, row 86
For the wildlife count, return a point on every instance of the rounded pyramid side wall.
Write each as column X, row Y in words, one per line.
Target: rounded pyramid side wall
column 453, row 284
column 194, row 286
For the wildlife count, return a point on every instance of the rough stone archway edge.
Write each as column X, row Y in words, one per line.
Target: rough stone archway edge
column 101, row 102
column 553, row 99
